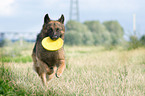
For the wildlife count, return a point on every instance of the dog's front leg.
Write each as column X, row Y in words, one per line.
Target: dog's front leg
column 43, row 77
column 61, row 68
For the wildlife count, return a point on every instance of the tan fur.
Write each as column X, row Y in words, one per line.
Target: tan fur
column 48, row 63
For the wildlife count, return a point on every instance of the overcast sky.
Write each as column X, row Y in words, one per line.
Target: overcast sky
column 27, row 15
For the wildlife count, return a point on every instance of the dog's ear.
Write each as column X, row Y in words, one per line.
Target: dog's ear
column 61, row 19
column 46, row 19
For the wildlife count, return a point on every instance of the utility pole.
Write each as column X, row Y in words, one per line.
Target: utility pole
column 134, row 24
column 74, row 10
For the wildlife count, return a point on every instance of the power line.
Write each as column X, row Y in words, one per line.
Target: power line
column 74, row 10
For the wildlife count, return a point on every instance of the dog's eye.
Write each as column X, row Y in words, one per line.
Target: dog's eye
column 50, row 29
column 57, row 29
column 60, row 35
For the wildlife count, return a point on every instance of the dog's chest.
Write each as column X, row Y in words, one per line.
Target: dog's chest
column 50, row 57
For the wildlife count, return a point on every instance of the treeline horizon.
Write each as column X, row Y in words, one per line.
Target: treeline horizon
column 96, row 33
column 88, row 33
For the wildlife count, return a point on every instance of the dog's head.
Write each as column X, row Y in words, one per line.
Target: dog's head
column 53, row 29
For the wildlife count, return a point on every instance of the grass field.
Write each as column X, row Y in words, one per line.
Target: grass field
column 90, row 71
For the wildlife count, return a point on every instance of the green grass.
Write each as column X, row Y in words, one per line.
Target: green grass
column 90, row 71
column 8, row 88
column 17, row 59
column 16, row 54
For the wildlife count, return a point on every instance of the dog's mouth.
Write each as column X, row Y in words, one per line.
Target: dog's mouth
column 55, row 37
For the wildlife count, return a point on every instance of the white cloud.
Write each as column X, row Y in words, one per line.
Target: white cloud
column 29, row 14
column 6, row 7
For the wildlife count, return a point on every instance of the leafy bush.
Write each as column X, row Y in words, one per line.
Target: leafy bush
column 134, row 42
column 142, row 40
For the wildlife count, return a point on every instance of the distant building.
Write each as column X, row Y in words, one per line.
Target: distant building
column 16, row 36
column 1, row 39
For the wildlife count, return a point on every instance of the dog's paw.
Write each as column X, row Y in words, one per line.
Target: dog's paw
column 58, row 75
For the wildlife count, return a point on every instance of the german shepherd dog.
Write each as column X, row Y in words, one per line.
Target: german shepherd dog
column 49, row 63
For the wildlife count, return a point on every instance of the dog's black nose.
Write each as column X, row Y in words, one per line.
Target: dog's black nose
column 51, row 67
column 54, row 37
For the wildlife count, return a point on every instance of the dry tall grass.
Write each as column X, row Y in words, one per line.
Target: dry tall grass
column 91, row 71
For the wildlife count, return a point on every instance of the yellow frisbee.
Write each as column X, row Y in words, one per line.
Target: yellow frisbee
column 52, row 45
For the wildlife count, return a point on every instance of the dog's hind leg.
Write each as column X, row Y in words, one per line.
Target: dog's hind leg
column 61, row 68
column 35, row 65
column 42, row 70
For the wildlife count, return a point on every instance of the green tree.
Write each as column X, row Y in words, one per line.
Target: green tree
column 73, row 38
column 76, row 26
column 88, row 38
column 134, row 42
column 115, row 30
column 93, row 33
column 77, row 34
column 142, row 40
column 100, row 34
